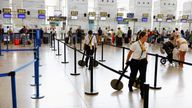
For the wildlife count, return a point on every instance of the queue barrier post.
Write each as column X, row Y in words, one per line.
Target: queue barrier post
column 37, row 95
column 54, row 45
column 75, row 62
column 64, row 55
column 7, row 43
column 58, row 52
column 91, row 91
column 123, row 58
column 13, row 88
column 155, row 75
column 1, row 45
column 102, row 51
column 146, row 95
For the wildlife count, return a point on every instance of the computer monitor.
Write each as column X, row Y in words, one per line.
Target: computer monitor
column 119, row 19
column 74, row 17
column 183, row 20
column 41, row 16
column 91, row 18
column 6, row 15
column 144, row 19
column 130, row 15
column 21, row 16
column 103, row 18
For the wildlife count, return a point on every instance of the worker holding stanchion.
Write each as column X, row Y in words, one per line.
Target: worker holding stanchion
column 90, row 45
column 138, row 51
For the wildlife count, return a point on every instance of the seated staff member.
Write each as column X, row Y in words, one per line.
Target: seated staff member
column 138, row 51
column 90, row 45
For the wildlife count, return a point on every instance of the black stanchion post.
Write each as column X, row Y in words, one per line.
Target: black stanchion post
column 13, row 88
column 123, row 58
column 102, row 51
column 75, row 63
column 51, row 40
column 0, row 45
column 64, row 55
column 7, row 43
column 54, row 45
column 92, row 91
column 155, row 75
column 58, row 53
column 146, row 95
column 81, row 43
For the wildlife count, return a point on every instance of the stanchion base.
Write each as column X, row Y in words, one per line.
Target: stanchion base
column 64, row 62
column 54, row 50
column 58, row 54
column 40, row 97
column 74, row 74
column 34, row 85
column 91, row 93
column 102, row 60
column 155, row 88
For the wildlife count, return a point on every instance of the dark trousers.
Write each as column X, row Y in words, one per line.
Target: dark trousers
column 89, row 52
column 141, row 66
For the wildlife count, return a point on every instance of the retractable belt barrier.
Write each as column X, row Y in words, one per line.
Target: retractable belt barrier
column 37, row 43
column 117, row 83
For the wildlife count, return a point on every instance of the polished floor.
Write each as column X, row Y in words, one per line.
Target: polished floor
column 62, row 90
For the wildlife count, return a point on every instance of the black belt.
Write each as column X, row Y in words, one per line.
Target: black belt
column 139, row 59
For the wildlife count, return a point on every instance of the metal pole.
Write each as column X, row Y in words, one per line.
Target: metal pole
column 102, row 52
column 37, row 95
column 92, row 91
column 123, row 58
column 64, row 55
column 75, row 64
column 13, row 87
column 155, row 75
column 54, row 45
column 146, row 95
column 58, row 53
column 7, row 44
column 0, row 45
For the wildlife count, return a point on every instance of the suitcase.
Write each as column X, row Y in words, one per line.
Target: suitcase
column 126, row 39
column 16, row 42
column 118, row 41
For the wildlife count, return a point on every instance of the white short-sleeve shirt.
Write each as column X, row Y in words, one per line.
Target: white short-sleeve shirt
column 93, row 41
column 135, row 47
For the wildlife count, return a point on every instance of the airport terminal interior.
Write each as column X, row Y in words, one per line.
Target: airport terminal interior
column 43, row 53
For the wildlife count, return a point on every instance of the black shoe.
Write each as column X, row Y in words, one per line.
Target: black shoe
column 130, row 88
column 142, row 95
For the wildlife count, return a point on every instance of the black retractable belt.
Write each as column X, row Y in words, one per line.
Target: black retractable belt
column 116, row 83
column 95, row 63
column 82, row 62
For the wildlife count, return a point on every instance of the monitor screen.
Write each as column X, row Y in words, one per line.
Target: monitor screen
column 103, row 18
column 6, row 15
column 22, row 16
column 159, row 20
column 144, row 19
column 169, row 20
column 130, row 15
column 73, row 17
column 41, row 16
column 91, row 18
column 119, row 18
column 183, row 20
